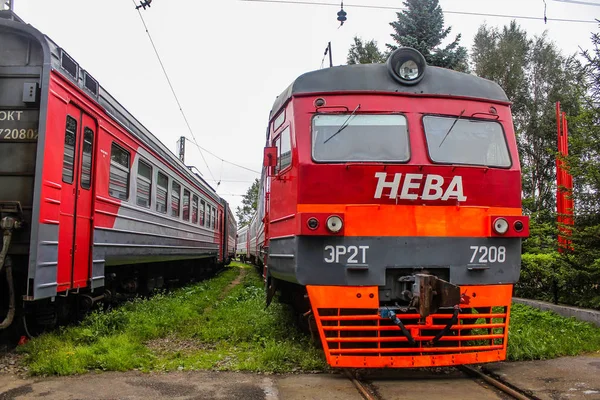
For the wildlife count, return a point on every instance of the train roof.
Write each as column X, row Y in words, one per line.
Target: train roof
column 376, row 78
column 110, row 105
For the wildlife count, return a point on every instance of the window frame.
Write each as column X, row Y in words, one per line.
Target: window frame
column 118, row 165
column 189, row 199
column 510, row 156
column 74, row 149
column 197, row 200
column 87, row 129
column 147, row 164
column 202, row 216
column 276, row 123
column 409, row 142
column 278, row 169
column 166, row 189
column 178, row 216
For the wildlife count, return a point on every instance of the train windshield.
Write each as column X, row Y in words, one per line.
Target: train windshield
column 466, row 141
column 360, row 137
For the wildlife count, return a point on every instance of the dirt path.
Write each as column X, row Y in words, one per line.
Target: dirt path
column 172, row 344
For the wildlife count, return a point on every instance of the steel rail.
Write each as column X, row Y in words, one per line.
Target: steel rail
column 359, row 386
column 496, row 383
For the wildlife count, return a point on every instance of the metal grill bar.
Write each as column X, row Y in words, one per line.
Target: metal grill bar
column 417, row 338
column 395, row 328
column 408, row 316
column 413, row 350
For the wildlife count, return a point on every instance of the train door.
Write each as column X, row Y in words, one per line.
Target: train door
column 75, row 232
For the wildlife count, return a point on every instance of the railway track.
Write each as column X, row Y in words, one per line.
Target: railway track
column 370, row 390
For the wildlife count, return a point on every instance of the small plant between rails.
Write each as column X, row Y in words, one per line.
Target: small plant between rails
column 222, row 324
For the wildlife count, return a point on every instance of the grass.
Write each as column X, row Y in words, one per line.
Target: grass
column 219, row 325
column 536, row 334
column 211, row 325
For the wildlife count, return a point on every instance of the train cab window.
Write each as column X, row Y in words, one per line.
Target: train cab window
column 175, row 201
column 194, row 209
column 284, row 150
column 466, row 141
column 202, row 213
column 86, row 161
column 162, row 186
column 118, row 186
column 69, row 151
column 186, row 205
column 144, row 184
column 360, row 137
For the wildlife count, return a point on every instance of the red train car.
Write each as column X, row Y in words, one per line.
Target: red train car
column 392, row 207
column 91, row 203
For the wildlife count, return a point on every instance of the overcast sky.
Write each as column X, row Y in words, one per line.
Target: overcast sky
column 229, row 59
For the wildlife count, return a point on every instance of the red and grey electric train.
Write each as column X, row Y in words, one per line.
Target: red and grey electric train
column 390, row 212
column 91, row 203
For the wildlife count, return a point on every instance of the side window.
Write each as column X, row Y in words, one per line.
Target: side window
column 194, row 209
column 175, row 203
column 277, row 143
column 186, row 205
column 144, row 184
column 162, row 186
column 214, row 218
column 86, row 162
column 69, row 151
column 284, row 150
column 202, row 212
column 118, row 186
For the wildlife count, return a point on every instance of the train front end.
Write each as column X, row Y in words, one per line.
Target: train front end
column 406, row 220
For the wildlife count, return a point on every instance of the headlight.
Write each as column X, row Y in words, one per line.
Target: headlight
column 519, row 226
column 334, row 224
column 407, row 65
column 500, row 226
column 313, row 223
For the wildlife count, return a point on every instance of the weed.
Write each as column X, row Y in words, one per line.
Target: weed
column 535, row 334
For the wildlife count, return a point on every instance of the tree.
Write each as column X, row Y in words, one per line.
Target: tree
column 249, row 205
column 421, row 26
column 365, row 52
column 534, row 75
column 584, row 159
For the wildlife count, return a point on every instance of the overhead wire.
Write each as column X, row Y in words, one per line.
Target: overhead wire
column 585, row 3
column 194, row 141
column 445, row 11
column 223, row 160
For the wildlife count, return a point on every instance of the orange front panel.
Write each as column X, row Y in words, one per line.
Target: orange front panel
column 354, row 335
column 399, row 220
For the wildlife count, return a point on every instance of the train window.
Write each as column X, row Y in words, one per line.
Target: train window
column 279, row 120
column 360, row 137
column 186, row 205
column 194, row 209
column 144, row 184
column 284, row 150
column 86, row 162
column 175, row 203
column 202, row 212
column 162, row 186
column 69, row 152
column 118, row 186
column 466, row 141
column 212, row 217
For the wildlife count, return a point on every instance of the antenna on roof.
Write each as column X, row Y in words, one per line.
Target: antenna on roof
column 8, row 5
